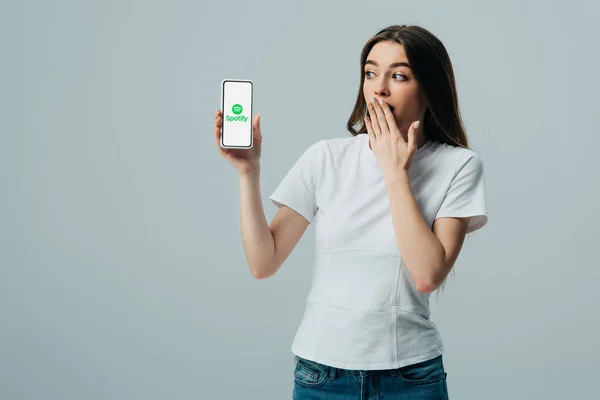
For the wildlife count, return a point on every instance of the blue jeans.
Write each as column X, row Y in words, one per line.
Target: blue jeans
column 421, row 381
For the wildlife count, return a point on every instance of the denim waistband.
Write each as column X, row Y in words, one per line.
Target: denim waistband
column 334, row 372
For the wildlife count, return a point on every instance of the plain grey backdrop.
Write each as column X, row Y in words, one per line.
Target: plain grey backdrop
column 123, row 274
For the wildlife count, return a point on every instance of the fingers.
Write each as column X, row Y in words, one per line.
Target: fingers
column 374, row 120
column 256, row 125
column 370, row 131
column 412, row 135
column 217, row 127
column 387, row 114
column 379, row 116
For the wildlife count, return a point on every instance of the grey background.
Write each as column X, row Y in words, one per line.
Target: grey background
column 122, row 269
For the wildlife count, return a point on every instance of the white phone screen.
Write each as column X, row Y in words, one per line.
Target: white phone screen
column 237, row 114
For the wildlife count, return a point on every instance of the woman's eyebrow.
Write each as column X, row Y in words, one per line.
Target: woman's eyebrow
column 394, row 65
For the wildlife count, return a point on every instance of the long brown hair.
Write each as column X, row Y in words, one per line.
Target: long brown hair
column 433, row 71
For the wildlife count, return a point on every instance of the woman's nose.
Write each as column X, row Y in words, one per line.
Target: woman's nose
column 381, row 91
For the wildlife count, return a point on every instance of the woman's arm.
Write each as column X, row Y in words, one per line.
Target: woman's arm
column 267, row 247
column 428, row 254
column 257, row 239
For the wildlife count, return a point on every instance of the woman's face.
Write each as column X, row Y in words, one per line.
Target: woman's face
column 389, row 77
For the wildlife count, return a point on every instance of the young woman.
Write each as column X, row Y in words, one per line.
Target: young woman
column 391, row 205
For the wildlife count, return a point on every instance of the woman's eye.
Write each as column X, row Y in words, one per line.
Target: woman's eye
column 370, row 72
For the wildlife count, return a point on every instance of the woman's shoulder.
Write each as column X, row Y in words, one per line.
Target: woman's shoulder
column 338, row 146
column 459, row 154
column 340, row 142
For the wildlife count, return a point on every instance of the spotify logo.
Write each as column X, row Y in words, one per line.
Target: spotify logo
column 237, row 110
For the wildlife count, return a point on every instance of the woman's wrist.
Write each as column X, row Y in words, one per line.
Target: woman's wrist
column 249, row 172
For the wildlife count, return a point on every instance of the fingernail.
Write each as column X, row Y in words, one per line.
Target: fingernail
column 417, row 124
column 373, row 100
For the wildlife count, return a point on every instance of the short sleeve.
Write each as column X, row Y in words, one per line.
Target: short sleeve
column 297, row 190
column 466, row 195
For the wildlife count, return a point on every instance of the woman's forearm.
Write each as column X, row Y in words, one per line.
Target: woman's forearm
column 420, row 248
column 256, row 236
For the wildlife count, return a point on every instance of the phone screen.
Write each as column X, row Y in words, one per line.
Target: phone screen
column 237, row 114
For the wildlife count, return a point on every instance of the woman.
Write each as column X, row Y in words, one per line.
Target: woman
column 391, row 205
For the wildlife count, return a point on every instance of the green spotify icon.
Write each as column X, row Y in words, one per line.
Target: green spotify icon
column 237, row 109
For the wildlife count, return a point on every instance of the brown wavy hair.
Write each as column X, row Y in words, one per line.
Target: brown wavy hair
column 431, row 66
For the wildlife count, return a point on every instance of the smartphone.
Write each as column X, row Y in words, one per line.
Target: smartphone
column 236, row 109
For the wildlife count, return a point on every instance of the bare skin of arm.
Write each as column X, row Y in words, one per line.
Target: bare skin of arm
column 266, row 246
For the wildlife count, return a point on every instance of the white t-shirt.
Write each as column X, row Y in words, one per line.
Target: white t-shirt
column 363, row 311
